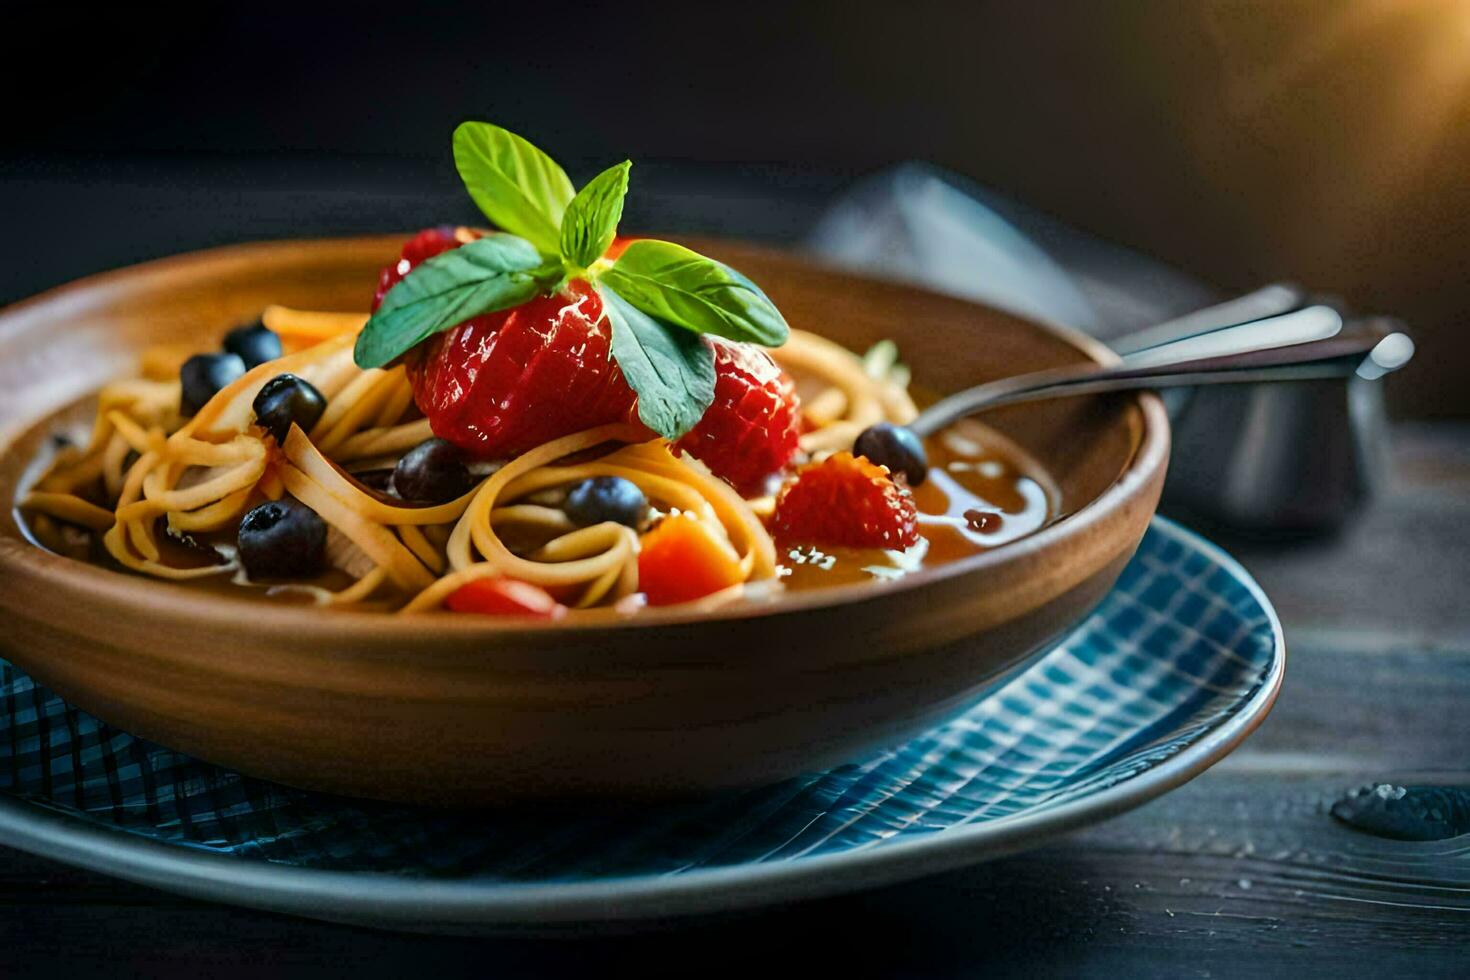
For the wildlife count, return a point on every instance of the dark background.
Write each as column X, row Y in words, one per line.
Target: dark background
column 1325, row 141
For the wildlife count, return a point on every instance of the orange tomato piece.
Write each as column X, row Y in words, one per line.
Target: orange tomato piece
column 681, row 560
column 504, row 597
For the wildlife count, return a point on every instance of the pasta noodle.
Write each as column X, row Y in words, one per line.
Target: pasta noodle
column 854, row 397
column 149, row 478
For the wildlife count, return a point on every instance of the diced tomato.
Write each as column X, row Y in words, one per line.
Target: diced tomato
column 681, row 560
column 504, row 597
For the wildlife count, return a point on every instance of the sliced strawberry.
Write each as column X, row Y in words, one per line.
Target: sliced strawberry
column 847, row 501
column 499, row 384
column 506, row 382
column 425, row 245
column 751, row 428
column 502, row 383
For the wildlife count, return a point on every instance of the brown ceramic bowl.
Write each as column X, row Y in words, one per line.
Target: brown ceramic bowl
column 457, row 709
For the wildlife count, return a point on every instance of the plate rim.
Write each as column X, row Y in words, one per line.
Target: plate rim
column 386, row 900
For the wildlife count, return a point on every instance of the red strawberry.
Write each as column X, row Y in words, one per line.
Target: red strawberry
column 846, row 500
column 502, row 383
column 499, row 384
column 506, row 382
column 425, row 245
column 751, row 428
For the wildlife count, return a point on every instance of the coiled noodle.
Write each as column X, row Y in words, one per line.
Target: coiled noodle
column 147, row 478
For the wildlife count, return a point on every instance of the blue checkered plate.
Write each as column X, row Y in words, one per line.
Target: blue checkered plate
column 1165, row 677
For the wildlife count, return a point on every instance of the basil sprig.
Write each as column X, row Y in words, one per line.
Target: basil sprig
column 520, row 189
column 673, row 371
column 491, row 273
column 684, row 288
column 658, row 296
column 591, row 220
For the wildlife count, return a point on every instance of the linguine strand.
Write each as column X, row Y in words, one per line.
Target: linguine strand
column 144, row 466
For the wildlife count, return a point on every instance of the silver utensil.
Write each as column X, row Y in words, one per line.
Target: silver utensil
column 1268, row 301
column 1310, row 343
column 1291, row 457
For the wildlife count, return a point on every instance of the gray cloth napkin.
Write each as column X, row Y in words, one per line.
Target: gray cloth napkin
column 919, row 224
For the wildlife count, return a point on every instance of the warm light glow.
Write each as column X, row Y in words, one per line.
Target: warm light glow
column 1345, row 113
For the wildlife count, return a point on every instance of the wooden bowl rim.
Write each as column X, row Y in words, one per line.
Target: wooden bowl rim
column 24, row 558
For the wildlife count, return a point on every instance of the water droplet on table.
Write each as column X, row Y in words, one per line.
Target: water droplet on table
column 1420, row 813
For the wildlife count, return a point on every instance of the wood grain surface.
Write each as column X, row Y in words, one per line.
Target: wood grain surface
column 1242, row 872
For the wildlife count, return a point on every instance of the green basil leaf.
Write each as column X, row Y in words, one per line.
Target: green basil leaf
column 520, row 189
column 671, row 283
column 671, row 370
column 591, row 220
column 485, row 275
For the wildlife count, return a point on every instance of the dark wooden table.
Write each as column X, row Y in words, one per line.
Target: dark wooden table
column 1242, row 872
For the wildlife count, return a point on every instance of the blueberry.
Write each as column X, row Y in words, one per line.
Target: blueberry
column 607, row 498
column 255, row 343
column 282, row 539
column 432, row 472
column 379, row 479
column 285, row 399
column 895, row 447
column 203, row 375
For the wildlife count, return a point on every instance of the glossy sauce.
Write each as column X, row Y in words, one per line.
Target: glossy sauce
column 982, row 492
